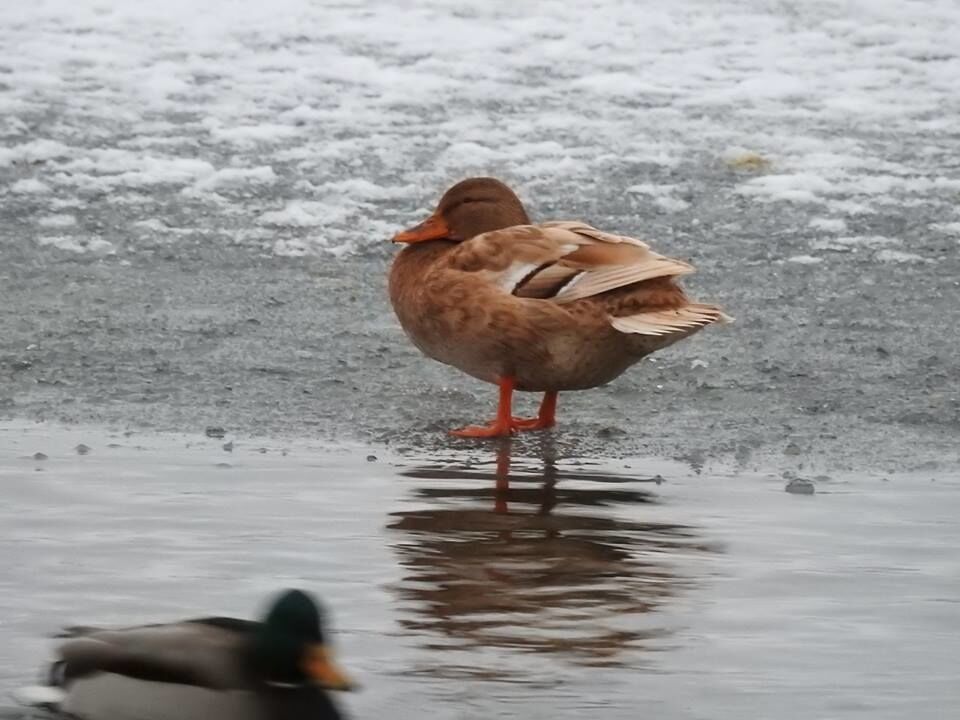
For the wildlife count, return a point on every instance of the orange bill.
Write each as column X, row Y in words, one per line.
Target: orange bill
column 321, row 668
column 433, row 228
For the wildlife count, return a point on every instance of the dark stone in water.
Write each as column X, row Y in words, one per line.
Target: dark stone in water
column 39, row 456
column 800, row 486
column 215, row 432
column 82, row 449
column 228, row 446
column 371, row 458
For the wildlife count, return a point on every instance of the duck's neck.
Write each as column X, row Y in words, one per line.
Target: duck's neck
column 409, row 266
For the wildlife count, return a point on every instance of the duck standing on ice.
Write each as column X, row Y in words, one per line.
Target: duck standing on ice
column 550, row 307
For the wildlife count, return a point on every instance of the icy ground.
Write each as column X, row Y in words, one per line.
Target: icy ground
column 804, row 156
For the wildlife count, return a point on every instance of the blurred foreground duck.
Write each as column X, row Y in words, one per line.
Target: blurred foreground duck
column 214, row 668
column 549, row 307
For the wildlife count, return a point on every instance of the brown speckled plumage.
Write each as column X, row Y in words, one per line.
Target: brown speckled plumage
column 556, row 306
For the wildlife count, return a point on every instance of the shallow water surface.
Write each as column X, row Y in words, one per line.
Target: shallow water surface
column 492, row 585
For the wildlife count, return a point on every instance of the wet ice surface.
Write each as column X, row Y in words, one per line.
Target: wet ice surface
column 497, row 586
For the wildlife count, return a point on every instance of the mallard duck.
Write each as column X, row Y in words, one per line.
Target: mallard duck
column 550, row 307
column 214, row 668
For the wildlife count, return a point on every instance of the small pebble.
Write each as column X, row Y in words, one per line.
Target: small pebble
column 800, row 486
column 82, row 449
column 224, row 465
column 215, row 432
column 228, row 446
column 18, row 365
column 371, row 458
column 792, row 449
column 39, row 456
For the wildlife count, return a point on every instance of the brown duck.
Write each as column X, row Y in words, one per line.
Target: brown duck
column 549, row 307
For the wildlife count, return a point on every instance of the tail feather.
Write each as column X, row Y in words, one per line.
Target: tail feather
column 668, row 322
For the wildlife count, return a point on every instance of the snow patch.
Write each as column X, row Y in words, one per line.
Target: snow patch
column 671, row 204
column 898, row 256
column 829, row 224
column 57, row 221
column 804, row 260
column 81, row 246
column 253, row 134
column 30, row 186
column 850, row 207
column 770, row 86
column 663, row 195
column 300, row 213
column 35, row 151
column 236, row 178
column 111, row 168
column 799, row 187
column 853, row 243
column 951, row 228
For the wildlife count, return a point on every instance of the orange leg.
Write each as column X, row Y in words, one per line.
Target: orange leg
column 503, row 425
column 547, row 417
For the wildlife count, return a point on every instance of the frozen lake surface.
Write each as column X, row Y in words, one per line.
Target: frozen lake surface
column 578, row 586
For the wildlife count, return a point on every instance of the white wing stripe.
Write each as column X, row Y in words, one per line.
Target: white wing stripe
column 513, row 275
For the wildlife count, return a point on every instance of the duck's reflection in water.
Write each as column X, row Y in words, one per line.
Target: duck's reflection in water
column 536, row 557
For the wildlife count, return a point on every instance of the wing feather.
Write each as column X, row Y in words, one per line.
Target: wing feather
column 187, row 653
column 667, row 322
column 562, row 261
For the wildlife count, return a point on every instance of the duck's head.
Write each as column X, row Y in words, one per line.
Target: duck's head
column 470, row 207
column 289, row 646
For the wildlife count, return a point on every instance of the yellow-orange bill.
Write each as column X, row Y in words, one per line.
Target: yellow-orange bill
column 325, row 672
column 433, row 228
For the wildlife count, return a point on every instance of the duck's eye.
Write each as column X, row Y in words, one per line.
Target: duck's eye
column 471, row 199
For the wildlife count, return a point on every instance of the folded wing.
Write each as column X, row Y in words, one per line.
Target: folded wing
column 562, row 262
